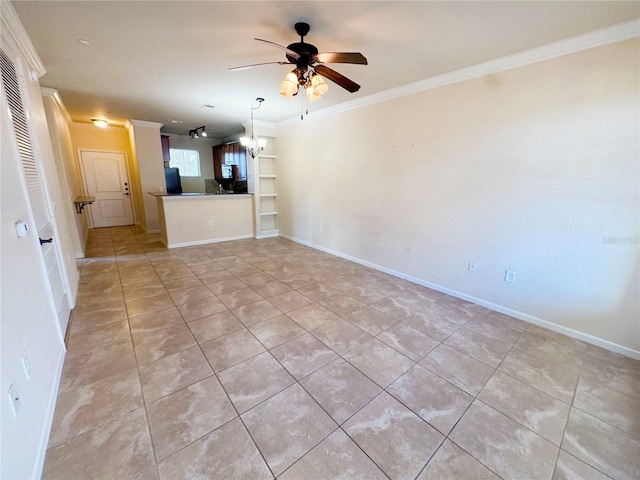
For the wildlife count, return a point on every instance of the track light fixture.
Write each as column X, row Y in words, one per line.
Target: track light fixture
column 194, row 133
column 253, row 144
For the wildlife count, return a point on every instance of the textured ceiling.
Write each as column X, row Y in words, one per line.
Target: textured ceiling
column 161, row 60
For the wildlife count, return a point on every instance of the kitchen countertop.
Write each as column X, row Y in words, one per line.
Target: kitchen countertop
column 191, row 195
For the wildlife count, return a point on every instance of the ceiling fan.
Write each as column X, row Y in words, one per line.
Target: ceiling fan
column 310, row 65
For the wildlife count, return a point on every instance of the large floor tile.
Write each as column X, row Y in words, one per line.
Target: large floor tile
column 256, row 312
column 312, row 316
column 528, row 406
column 149, row 304
column 155, row 321
column 479, row 346
column 460, row 369
column 341, row 336
column 611, row 406
column 451, row 462
column 303, row 355
column 186, row 415
column 215, row 326
column 254, row 380
column 408, row 341
column 499, row 442
column 287, row 426
column 335, row 458
column 539, row 372
column 171, row 373
column 84, row 368
column 431, row 324
column 226, row 351
column 371, row 320
column 276, row 331
column 98, row 337
column 341, row 304
column 227, row 452
column 435, row 400
column 202, row 308
column 290, row 300
column 93, row 404
column 239, row 298
column 395, row 438
column 602, row 446
column 192, row 294
column 118, row 449
column 156, row 345
column 379, row 362
column 554, row 350
column 340, row 389
column 569, row 467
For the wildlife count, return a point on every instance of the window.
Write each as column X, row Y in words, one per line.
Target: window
column 188, row 161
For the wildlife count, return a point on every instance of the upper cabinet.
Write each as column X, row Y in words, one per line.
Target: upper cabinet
column 230, row 162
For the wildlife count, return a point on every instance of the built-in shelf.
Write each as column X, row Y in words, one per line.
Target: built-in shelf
column 82, row 202
column 267, row 176
column 268, row 213
column 267, row 156
column 268, row 194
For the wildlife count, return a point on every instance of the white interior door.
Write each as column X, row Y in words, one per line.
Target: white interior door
column 105, row 176
column 36, row 188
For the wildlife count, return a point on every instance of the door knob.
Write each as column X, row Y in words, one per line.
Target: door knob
column 49, row 240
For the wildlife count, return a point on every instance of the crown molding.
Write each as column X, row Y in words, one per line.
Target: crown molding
column 12, row 25
column 143, row 123
column 585, row 41
column 55, row 96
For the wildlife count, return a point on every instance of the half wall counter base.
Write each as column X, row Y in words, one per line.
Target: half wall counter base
column 200, row 218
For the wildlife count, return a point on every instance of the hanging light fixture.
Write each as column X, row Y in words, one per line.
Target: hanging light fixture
column 254, row 145
column 194, row 133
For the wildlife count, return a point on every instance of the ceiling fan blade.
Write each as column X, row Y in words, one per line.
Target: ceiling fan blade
column 338, row 78
column 244, row 67
column 341, row 57
column 289, row 52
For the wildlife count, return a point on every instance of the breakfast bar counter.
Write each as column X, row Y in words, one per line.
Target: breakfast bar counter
column 199, row 218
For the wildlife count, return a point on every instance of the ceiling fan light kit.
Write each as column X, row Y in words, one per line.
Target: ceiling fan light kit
column 310, row 67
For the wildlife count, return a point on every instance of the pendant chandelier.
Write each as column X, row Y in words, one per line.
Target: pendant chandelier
column 254, row 145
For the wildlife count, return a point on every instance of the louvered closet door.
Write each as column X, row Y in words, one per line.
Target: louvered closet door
column 31, row 168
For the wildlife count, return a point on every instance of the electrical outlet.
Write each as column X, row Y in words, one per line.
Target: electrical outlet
column 473, row 266
column 26, row 365
column 211, row 223
column 319, row 228
column 160, row 188
column 14, row 399
column 510, row 276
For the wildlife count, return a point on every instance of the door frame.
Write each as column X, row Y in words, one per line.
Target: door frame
column 84, row 179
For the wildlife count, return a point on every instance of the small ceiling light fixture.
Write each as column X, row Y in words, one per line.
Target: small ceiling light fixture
column 254, row 145
column 99, row 122
column 194, row 133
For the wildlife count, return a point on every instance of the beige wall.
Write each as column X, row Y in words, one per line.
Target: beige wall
column 147, row 148
column 185, row 220
column 112, row 138
column 533, row 170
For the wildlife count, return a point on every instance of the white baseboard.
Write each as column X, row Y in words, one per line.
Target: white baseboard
column 267, row 234
column 585, row 337
column 48, row 419
column 205, row 242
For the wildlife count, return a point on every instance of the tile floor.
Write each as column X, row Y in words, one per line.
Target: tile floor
column 261, row 359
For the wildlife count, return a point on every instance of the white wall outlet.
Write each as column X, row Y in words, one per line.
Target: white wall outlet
column 510, row 276
column 14, row 399
column 472, row 266
column 319, row 228
column 211, row 223
column 160, row 188
column 26, row 365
